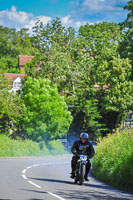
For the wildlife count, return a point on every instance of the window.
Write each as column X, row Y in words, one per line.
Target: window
column 17, row 84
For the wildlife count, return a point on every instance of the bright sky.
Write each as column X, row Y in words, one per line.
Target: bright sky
column 24, row 13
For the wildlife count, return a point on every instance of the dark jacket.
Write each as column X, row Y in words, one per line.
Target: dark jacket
column 83, row 148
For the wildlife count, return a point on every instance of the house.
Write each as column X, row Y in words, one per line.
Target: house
column 15, row 80
column 97, row 86
column 22, row 60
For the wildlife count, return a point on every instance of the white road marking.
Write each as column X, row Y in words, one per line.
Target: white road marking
column 36, row 165
column 58, row 197
column 38, row 186
column 24, row 176
column 29, row 167
column 24, row 171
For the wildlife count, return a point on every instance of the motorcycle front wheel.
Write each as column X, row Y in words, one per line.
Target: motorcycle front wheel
column 82, row 174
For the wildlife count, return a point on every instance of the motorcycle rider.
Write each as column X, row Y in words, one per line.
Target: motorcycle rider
column 80, row 146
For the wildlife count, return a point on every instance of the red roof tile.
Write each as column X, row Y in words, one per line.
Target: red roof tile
column 13, row 76
column 24, row 59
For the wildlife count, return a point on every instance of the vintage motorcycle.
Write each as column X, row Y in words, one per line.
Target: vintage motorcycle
column 80, row 169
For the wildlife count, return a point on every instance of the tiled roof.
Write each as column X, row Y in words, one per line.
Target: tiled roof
column 13, row 76
column 24, row 59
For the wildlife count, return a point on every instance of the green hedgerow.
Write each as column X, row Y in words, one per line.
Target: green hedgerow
column 113, row 160
column 56, row 147
column 14, row 148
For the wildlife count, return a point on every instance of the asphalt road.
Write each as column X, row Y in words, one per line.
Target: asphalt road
column 48, row 179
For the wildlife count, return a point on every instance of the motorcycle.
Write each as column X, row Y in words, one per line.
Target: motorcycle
column 80, row 169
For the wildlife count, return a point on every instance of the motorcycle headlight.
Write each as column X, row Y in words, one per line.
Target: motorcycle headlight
column 83, row 157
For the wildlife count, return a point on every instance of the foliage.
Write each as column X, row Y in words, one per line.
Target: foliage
column 101, row 40
column 15, row 148
column 65, row 63
column 46, row 113
column 10, row 108
column 113, row 160
column 12, row 148
column 54, row 33
column 56, row 147
column 9, row 64
column 109, row 71
column 126, row 45
column 98, row 53
column 12, row 44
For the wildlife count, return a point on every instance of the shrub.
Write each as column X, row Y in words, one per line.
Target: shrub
column 12, row 148
column 56, row 147
column 113, row 161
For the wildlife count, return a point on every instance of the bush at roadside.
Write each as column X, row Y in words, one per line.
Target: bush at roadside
column 113, row 160
column 56, row 147
column 17, row 148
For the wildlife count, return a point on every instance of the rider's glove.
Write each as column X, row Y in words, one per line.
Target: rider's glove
column 75, row 153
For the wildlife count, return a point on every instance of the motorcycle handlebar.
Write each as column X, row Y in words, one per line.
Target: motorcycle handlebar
column 77, row 154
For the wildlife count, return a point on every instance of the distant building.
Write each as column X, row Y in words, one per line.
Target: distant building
column 22, row 60
column 15, row 80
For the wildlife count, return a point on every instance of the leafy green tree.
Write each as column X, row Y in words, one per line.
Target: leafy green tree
column 103, row 42
column 46, row 111
column 9, row 64
column 68, row 61
column 53, row 33
column 126, row 45
column 116, row 100
column 75, row 64
column 10, row 109
column 102, row 39
column 12, row 44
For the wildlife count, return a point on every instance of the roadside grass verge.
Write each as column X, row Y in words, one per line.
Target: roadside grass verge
column 18, row 148
column 113, row 160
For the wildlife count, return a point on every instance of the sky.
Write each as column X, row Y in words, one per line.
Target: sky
column 24, row 13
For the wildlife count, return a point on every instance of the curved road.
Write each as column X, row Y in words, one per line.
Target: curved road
column 47, row 178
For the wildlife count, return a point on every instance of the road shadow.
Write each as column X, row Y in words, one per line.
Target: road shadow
column 98, row 186
column 88, row 191
column 92, row 194
column 36, row 191
column 75, row 194
column 35, row 199
column 52, row 180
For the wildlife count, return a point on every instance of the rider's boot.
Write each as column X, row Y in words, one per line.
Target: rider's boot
column 72, row 175
column 86, row 178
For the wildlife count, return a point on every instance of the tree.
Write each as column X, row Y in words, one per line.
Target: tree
column 46, row 111
column 12, row 44
column 102, row 39
column 116, row 100
column 10, row 109
column 126, row 45
column 53, row 33
column 75, row 63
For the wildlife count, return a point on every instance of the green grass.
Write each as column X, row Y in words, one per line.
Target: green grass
column 113, row 160
column 18, row 148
